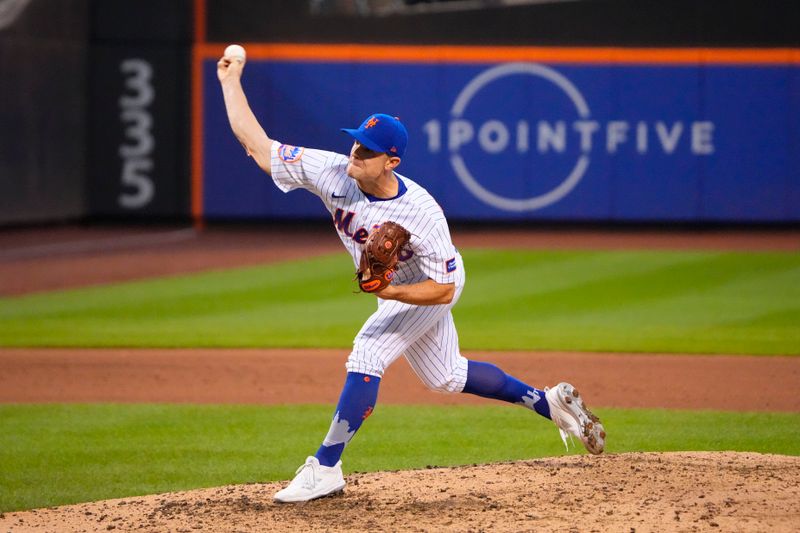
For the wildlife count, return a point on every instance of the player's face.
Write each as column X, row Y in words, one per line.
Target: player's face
column 368, row 164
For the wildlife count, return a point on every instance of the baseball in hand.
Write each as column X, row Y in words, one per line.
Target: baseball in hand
column 235, row 51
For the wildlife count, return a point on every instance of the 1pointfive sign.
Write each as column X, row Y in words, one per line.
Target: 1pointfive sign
column 546, row 147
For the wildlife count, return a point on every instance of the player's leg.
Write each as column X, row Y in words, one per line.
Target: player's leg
column 382, row 339
column 385, row 335
column 562, row 404
column 489, row 381
column 436, row 359
column 322, row 474
column 356, row 403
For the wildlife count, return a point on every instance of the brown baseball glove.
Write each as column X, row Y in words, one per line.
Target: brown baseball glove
column 380, row 256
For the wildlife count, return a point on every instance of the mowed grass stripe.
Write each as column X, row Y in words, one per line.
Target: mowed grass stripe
column 60, row 454
column 616, row 285
column 646, row 301
column 661, row 301
column 194, row 294
column 695, row 302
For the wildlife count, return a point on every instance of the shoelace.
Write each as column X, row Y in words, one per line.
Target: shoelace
column 561, row 431
column 309, row 478
column 564, row 435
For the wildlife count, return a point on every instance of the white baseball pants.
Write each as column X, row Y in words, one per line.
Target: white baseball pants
column 425, row 334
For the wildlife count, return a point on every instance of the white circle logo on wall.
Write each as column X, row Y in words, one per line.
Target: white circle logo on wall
column 460, row 167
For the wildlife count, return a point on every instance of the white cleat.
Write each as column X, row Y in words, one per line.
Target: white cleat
column 573, row 418
column 312, row 481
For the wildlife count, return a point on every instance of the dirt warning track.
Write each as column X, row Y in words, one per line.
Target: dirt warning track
column 44, row 259
column 316, row 376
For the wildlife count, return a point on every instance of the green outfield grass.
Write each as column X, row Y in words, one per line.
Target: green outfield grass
column 59, row 454
column 643, row 301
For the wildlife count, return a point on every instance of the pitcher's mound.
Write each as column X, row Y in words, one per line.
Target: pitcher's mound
column 626, row 492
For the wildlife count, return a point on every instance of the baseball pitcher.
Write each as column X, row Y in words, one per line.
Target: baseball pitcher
column 399, row 240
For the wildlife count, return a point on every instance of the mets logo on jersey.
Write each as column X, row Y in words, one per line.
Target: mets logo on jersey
column 289, row 153
column 343, row 223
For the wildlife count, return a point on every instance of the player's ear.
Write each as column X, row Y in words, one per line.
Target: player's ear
column 392, row 162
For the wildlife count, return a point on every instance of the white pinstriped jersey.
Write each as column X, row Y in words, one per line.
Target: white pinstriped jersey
column 356, row 213
column 424, row 334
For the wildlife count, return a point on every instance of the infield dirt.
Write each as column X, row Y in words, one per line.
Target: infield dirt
column 632, row 492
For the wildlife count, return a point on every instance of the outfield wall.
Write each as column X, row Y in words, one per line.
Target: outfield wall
column 597, row 110
column 43, row 70
column 524, row 133
column 139, row 108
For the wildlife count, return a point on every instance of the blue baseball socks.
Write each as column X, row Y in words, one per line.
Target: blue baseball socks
column 356, row 403
column 360, row 394
column 487, row 380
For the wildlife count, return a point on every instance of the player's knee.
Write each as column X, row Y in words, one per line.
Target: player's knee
column 447, row 384
column 358, row 362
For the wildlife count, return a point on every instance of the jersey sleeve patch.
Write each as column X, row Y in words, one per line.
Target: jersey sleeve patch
column 289, row 153
column 451, row 265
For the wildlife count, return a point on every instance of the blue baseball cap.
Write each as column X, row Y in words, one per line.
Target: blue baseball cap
column 381, row 133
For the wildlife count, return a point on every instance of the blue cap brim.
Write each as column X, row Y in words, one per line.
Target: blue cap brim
column 363, row 139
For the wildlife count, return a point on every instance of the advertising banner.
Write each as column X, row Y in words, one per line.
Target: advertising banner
column 531, row 140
